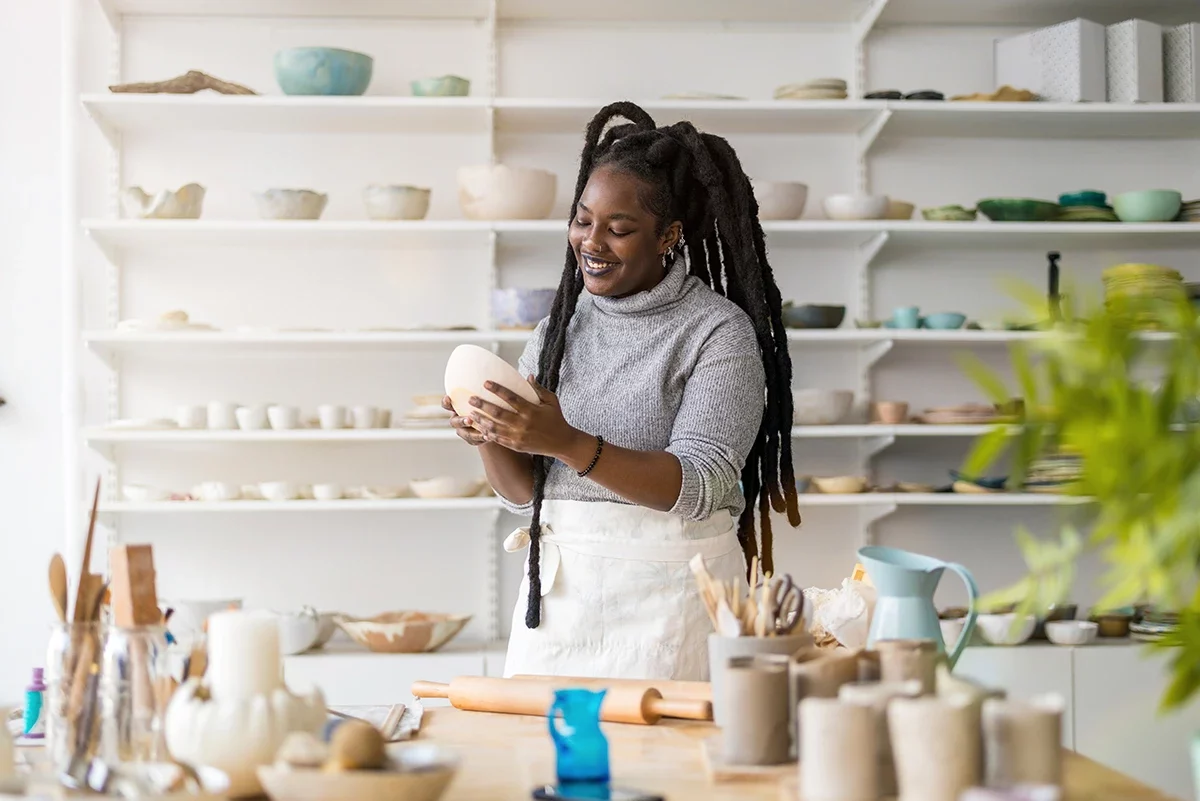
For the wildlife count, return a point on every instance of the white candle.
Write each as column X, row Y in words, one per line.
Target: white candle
column 243, row 655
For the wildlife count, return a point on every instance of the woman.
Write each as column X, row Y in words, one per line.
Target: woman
column 664, row 377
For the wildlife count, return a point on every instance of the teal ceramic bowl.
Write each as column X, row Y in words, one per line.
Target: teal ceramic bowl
column 322, row 71
column 1018, row 209
column 442, row 86
column 1084, row 197
column 943, row 321
column 1150, row 205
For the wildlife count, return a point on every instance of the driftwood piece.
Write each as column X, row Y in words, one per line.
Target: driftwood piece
column 187, row 84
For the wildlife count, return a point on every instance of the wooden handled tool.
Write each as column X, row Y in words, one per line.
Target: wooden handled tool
column 516, row 697
column 671, row 690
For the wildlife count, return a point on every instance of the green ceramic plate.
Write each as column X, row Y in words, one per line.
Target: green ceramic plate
column 1018, row 209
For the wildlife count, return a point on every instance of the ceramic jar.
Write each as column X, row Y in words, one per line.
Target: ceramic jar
column 876, row 697
column 759, row 732
column 908, row 660
column 838, row 751
column 722, row 649
column 1023, row 741
column 935, row 745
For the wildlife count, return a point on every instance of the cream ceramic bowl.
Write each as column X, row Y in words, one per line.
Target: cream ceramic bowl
column 500, row 192
column 290, row 204
column 445, row 487
column 1071, row 632
column 279, row 490
column 899, row 210
column 1006, row 629
column 403, row 632
column 140, row 493
column 780, row 200
column 469, row 367
column 952, row 629
column 396, row 202
column 840, row 485
column 856, row 207
column 820, row 407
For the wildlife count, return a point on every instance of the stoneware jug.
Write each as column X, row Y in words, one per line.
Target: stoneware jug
column 904, row 610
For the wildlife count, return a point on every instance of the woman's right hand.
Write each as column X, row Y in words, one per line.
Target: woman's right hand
column 462, row 426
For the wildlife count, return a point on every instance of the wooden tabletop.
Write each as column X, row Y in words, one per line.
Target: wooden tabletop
column 506, row 756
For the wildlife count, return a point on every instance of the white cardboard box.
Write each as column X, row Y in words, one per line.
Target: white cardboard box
column 1062, row 63
column 1181, row 63
column 1134, row 62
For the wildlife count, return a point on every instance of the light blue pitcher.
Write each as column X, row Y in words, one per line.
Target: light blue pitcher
column 904, row 610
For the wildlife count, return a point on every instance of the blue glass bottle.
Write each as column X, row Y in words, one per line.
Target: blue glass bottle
column 581, row 747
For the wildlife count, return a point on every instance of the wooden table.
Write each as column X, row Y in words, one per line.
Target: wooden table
column 506, row 756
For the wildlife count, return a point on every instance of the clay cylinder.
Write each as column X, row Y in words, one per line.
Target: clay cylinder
column 905, row 660
column 876, row 697
column 1022, row 741
column 722, row 649
column 838, row 751
column 935, row 746
column 758, row 731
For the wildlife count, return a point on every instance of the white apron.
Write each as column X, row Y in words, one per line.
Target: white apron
column 618, row 597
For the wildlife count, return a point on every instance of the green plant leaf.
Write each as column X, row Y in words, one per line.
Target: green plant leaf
column 987, row 449
column 983, row 375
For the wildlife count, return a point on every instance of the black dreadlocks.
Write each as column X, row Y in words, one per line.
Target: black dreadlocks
column 695, row 178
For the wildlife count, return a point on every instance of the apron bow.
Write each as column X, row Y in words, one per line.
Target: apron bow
column 550, row 556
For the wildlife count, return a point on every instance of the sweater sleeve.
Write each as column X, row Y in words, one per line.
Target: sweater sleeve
column 719, row 418
column 527, row 365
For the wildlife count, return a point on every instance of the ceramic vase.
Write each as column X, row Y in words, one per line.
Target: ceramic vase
column 1023, row 741
column 935, row 746
column 722, row 649
column 838, row 751
column 758, row 730
column 908, row 660
column 876, row 697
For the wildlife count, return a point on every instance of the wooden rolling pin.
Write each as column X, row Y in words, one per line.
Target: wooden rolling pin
column 671, row 690
column 516, row 697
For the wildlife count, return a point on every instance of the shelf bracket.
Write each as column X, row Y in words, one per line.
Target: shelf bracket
column 870, row 515
column 876, row 351
column 871, row 131
column 866, row 22
column 870, row 447
column 871, row 248
column 112, row 15
column 492, row 578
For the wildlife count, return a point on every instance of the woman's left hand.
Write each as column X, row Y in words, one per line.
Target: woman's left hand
column 534, row 428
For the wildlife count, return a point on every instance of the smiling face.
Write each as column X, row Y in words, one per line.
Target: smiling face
column 617, row 241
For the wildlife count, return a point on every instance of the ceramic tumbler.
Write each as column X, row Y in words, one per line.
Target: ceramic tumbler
column 384, row 419
column 906, row 317
column 876, row 697
column 363, row 416
column 935, row 746
column 722, row 649
column 191, row 417
column 331, row 417
column 252, row 418
column 908, row 660
column 838, row 751
column 222, row 415
column 1022, row 741
column 758, row 728
column 283, row 418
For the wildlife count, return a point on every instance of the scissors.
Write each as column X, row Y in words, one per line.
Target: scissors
column 788, row 605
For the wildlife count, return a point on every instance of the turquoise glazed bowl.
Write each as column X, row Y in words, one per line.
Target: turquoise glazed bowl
column 943, row 321
column 322, row 71
column 1018, row 209
column 1150, row 205
column 1084, row 197
column 442, row 86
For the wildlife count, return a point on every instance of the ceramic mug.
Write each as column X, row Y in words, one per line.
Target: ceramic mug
column 331, row 417
column 906, row 317
column 363, row 416
column 760, row 732
column 252, row 418
column 722, row 649
column 327, row 492
column 191, row 417
column 283, row 418
column 222, row 415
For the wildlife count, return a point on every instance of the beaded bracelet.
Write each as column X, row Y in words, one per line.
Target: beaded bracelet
column 596, row 458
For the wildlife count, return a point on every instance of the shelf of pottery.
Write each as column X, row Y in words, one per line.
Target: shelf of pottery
column 279, row 245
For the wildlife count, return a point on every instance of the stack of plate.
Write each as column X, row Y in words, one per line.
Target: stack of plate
column 1054, row 473
column 426, row 413
column 964, row 414
column 1190, row 211
column 1151, row 287
column 1153, row 626
column 819, row 89
column 1088, row 205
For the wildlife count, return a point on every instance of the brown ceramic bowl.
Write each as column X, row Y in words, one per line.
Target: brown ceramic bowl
column 889, row 412
column 1112, row 624
column 403, row 632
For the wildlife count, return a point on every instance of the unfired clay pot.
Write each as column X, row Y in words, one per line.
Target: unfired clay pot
column 758, row 732
column 722, row 649
column 838, row 751
column 907, row 660
column 935, row 747
column 1023, row 741
column 876, row 697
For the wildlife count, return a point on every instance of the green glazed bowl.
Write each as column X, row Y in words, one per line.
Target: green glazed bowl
column 949, row 214
column 1018, row 209
column 1151, row 205
column 442, row 86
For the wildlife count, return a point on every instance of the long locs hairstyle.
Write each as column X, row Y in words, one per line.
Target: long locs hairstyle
column 696, row 178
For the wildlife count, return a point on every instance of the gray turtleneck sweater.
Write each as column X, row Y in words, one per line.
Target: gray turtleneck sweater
column 675, row 368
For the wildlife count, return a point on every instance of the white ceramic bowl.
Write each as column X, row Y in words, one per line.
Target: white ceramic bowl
column 216, row 491
column 328, row 628
column 1071, row 632
column 185, row 203
column 445, row 487
column 856, row 207
column 140, row 493
column 820, row 407
column 952, row 629
column 840, row 485
column 469, row 367
column 279, row 490
column 780, row 200
column 290, row 204
column 1006, row 629
column 298, row 631
column 500, row 192
column 328, row 492
column 396, row 202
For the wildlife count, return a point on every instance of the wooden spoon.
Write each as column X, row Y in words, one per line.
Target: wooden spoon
column 58, row 586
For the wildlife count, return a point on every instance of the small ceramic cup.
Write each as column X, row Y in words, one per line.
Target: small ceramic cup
column 838, row 754
column 908, row 660
column 889, row 412
column 222, row 415
column 252, row 418
column 327, row 492
column 759, row 734
column 364, row 416
column 216, row 491
column 283, row 418
column 331, row 417
column 1022, row 741
column 906, row 317
column 383, row 419
column 722, row 649
column 191, row 417
column 279, row 490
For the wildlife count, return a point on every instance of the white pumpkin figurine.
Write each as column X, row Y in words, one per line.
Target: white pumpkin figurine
column 237, row 718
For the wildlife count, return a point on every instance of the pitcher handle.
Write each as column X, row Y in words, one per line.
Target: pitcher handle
column 556, row 734
column 969, row 625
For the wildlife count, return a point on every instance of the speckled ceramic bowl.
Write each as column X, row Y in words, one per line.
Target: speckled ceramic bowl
column 403, row 632
column 441, row 86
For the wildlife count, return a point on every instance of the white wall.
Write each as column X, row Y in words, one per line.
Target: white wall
column 31, row 446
